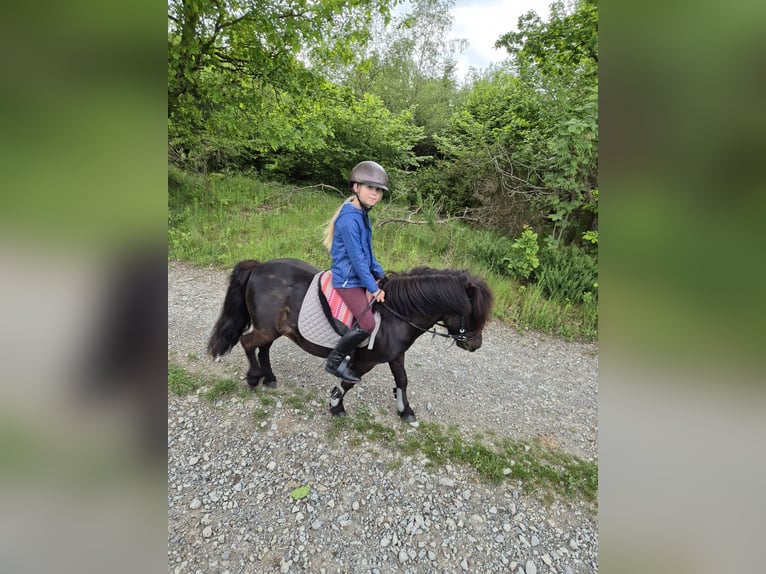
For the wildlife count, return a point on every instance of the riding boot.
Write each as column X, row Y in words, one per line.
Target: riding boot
column 339, row 361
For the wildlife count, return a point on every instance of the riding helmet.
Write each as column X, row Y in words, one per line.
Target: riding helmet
column 369, row 173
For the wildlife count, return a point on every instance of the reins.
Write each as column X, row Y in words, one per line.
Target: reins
column 461, row 337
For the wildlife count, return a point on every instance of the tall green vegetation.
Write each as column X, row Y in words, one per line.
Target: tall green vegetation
column 409, row 63
column 238, row 217
column 240, row 94
column 299, row 91
column 523, row 148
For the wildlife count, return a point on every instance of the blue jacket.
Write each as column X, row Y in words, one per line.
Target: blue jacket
column 353, row 264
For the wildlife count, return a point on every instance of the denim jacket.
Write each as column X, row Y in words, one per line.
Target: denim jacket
column 353, row 264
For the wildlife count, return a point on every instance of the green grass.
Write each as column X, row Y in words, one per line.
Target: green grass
column 238, row 217
column 180, row 382
column 261, row 414
column 299, row 398
column 243, row 218
column 221, row 388
column 363, row 425
column 537, row 467
column 267, row 400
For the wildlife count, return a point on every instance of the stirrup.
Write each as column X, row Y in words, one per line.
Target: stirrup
column 344, row 372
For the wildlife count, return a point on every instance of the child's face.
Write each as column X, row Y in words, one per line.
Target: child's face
column 368, row 194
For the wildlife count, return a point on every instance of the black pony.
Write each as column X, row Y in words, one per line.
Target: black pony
column 268, row 295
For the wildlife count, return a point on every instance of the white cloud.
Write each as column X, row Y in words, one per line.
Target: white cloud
column 482, row 22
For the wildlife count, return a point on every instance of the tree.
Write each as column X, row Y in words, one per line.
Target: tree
column 409, row 63
column 524, row 144
column 560, row 59
column 565, row 46
column 229, row 60
column 324, row 141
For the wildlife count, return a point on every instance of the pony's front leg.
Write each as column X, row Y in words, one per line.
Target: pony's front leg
column 400, row 391
column 336, row 398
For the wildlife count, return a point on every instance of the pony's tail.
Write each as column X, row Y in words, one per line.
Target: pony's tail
column 235, row 318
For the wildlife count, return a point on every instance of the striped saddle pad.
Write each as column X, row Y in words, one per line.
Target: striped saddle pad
column 338, row 311
column 317, row 320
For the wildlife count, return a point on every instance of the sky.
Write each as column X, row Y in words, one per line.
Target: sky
column 482, row 22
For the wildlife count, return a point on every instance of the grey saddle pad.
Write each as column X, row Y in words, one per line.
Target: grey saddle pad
column 314, row 326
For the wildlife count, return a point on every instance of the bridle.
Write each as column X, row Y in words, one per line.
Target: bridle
column 461, row 336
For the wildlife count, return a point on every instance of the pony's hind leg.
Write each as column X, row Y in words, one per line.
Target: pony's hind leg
column 265, row 362
column 257, row 371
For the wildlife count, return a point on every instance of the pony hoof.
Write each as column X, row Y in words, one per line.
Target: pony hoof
column 253, row 383
column 410, row 419
column 270, row 384
column 414, row 424
column 338, row 414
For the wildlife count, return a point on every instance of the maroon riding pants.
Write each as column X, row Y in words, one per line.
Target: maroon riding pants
column 356, row 301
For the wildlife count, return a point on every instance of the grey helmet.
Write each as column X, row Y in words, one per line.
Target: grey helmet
column 369, row 173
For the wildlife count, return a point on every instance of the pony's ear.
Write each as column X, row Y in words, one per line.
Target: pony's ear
column 470, row 287
column 472, row 293
column 480, row 296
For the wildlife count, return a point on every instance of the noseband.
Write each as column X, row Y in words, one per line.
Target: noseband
column 461, row 336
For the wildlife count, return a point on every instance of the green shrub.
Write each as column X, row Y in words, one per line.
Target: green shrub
column 448, row 185
column 517, row 258
column 491, row 251
column 522, row 260
column 567, row 274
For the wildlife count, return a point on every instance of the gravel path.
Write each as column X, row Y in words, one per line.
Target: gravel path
column 230, row 474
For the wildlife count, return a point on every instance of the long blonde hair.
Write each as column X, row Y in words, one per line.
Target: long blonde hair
column 330, row 229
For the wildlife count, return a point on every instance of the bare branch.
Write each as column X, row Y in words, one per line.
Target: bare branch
column 463, row 217
column 321, row 186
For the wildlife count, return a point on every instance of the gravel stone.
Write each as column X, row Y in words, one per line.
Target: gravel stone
column 371, row 509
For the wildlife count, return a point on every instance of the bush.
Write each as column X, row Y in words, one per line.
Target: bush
column 491, row 251
column 446, row 184
column 568, row 274
column 523, row 258
column 360, row 129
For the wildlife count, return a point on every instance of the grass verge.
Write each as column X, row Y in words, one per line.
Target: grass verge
column 537, row 467
column 496, row 459
column 235, row 217
column 181, row 382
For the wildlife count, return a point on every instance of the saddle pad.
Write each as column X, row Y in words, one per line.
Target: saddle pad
column 314, row 326
column 338, row 307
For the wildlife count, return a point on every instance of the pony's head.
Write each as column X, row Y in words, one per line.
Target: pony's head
column 470, row 326
column 462, row 302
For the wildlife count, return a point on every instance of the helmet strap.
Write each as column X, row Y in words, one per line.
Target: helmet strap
column 362, row 204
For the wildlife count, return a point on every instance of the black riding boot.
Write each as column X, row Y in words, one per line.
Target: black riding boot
column 338, row 363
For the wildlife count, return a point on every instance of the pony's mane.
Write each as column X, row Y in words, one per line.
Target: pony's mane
column 424, row 290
